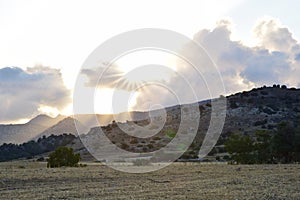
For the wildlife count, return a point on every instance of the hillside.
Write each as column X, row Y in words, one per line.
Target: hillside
column 258, row 109
column 249, row 111
column 261, row 108
column 43, row 125
column 19, row 133
column 66, row 125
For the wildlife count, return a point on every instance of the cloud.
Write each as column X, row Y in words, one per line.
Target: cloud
column 275, row 59
column 106, row 75
column 273, row 36
column 23, row 92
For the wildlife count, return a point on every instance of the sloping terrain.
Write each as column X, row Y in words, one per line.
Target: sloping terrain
column 66, row 125
column 19, row 133
column 258, row 109
column 43, row 125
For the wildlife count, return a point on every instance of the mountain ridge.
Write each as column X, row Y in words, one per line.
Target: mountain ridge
column 265, row 107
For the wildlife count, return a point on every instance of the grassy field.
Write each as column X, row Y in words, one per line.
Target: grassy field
column 32, row 180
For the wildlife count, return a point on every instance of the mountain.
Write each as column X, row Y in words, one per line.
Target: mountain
column 67, row 125
column 43, row 125
column 258, row 109
column 248, row 111
column 19, row 133
column 46, row 121
column 261, row 108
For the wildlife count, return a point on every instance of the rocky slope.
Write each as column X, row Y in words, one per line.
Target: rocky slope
column 246, row 112
column 258, row 109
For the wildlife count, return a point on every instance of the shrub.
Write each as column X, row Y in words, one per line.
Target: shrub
column 233, row 105
column 269, row 111
column 278, row 146
column 145, row 149
column 40, row 159
column 240, row 147
column 264, row 92
column 156, row 138
column 226, row 157
column 124, row 146
column 63, row 156
column 150, row 146
column 133, row 141
column 259, row 123
column 170, row 133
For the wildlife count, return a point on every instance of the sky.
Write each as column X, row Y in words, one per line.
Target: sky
column 43, row 45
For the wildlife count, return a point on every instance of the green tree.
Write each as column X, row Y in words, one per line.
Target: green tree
column 297, row 141
column 170, row 133
column 63, row 156
column 263, row 146
column 297, row 146
column 241, row 149
column 280, row 146
column 283, row 142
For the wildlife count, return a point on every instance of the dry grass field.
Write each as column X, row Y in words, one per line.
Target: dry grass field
column 32, row 180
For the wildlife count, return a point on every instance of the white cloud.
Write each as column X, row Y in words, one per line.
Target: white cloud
column 275, row 60
column 24, row 92
column 273, row 36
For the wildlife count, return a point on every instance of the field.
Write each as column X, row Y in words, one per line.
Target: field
column 32, row 180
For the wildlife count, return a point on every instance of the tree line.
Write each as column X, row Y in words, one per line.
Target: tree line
column 33, row 148
column 278, row 146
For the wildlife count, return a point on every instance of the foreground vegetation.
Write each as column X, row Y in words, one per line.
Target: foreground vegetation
column 32, row 180
column 278, row 146
column 34, row 148
column 63, row 157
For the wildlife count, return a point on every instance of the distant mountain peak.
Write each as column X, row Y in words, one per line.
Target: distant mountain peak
column 39, row 118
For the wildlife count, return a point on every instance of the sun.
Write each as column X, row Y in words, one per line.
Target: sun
column 139, row 68
column 119, row 90
column 113, row 101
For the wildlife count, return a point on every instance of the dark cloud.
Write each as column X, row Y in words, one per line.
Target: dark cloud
column 22, row 92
